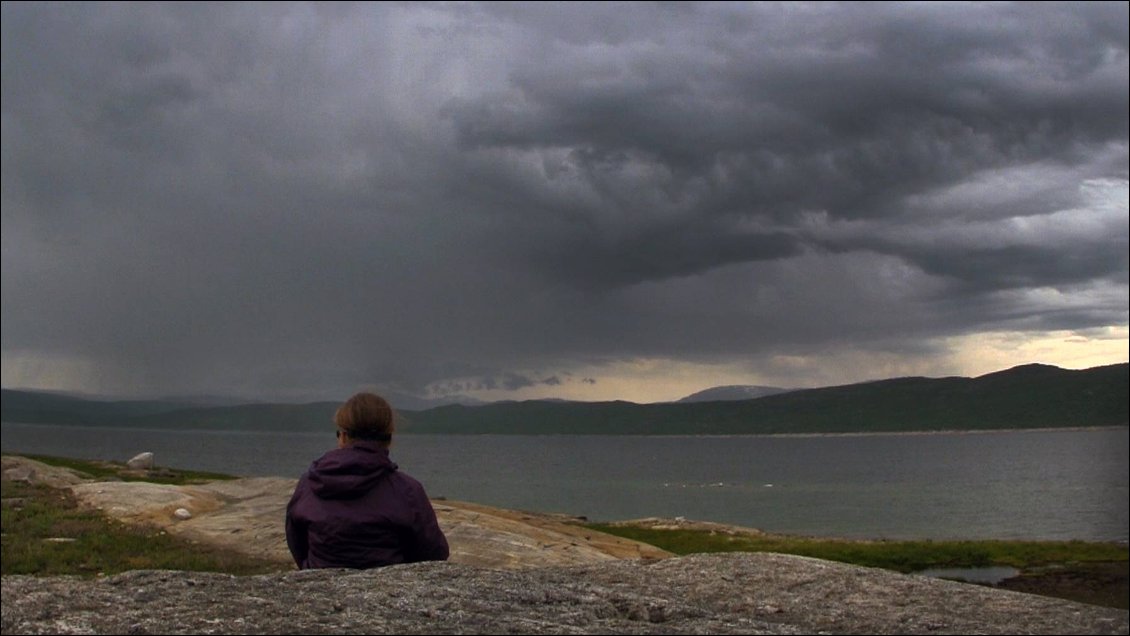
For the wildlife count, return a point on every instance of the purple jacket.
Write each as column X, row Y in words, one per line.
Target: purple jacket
column 353, row 509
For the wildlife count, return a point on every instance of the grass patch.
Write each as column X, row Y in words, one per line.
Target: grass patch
column 1087, row 572
column 901, row 556
column 103, row 470
column 45, row 533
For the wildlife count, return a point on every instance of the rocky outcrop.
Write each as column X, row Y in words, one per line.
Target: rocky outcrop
column 717, row 594
column 511, row 572
column 246, row 515
column 22, row 469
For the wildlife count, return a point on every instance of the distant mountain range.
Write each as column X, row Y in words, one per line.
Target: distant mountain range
column 1030, row 396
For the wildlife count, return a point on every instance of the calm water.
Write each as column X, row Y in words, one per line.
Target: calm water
column 1024, row 484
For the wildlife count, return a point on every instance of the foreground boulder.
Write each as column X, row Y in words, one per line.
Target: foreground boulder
column 141, row 461
column 732, row 593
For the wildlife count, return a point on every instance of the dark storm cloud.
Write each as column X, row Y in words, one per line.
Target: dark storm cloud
column 295, row 199
column 851, row 119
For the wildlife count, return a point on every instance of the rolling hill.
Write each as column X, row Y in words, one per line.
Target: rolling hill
column 733, row 392
column 1030, row 396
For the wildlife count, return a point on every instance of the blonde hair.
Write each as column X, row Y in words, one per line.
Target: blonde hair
column 366, row 416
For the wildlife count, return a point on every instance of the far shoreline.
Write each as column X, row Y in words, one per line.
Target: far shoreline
column 953, row 431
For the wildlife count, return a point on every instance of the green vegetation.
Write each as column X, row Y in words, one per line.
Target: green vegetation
column 97, row 469
column 46, row 533
column 1093, row 573
column 1026, row 397
column 902, row 556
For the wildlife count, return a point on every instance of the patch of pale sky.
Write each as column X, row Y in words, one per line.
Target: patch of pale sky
column 991, row 187
column 982, row 353
column 1104, row 210
column 660, row 380
column 63, row 372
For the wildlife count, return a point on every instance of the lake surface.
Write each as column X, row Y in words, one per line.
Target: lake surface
column 1059, row 484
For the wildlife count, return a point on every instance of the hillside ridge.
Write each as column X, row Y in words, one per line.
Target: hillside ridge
column 1028, row 396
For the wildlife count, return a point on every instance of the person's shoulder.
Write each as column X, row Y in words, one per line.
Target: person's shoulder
column 406, row 482
column 404, row 477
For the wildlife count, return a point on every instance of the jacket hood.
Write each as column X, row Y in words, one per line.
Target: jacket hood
column 345, row 473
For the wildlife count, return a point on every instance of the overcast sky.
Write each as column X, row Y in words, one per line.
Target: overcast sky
column 593, row 201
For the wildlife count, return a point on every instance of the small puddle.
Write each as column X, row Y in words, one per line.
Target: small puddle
column 990, row 575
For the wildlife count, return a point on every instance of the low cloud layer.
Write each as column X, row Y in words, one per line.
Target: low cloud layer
column 295, row 200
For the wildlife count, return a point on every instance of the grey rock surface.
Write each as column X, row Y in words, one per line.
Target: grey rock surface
column 732, row 593
column 32, row 472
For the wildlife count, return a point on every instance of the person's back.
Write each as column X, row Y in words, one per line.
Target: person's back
column 353, row 508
